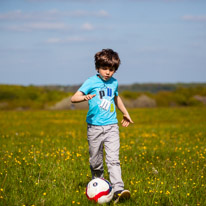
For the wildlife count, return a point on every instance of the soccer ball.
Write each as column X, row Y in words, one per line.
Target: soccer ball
column 99, row 190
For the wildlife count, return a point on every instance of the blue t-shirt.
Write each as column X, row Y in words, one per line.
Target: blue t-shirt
column 101, row 107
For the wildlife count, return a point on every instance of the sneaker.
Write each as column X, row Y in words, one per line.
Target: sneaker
column 121, row 195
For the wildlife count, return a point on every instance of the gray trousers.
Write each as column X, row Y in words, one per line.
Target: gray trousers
column 100, row 137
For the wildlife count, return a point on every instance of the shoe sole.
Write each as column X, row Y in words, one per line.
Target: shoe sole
column 124, row 195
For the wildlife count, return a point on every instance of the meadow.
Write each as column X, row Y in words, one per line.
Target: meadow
column 44, row 157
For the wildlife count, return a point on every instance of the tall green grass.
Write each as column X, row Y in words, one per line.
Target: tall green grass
column 44, row 157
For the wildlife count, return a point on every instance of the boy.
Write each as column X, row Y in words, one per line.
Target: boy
column 101, row 91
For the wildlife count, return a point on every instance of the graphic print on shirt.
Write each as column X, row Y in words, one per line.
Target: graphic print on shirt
column 112, row 108
column 105, row 95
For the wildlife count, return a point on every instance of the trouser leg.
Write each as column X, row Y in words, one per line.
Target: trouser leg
column 95, row 142
column 112, row 146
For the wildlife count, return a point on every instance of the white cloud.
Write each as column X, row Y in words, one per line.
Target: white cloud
column 71, row 39
column 87, row 26
column 11, row 15
column 53, row 40
column 102, row 13
column 38, row 26
column 82, row 1
column 194, row 18
column 50, row 15
column 75, row 39
column 47, row 26
column 84, row 13
column 167, row 1
column 19, row 15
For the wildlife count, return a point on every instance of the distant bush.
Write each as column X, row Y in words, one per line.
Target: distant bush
column 180, row 97
column 164, row 99
column 130, row 95
column 28, row 97
column 144, row 101
column 34, row 97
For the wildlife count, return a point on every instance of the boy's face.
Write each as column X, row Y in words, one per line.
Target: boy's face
column 106, row 72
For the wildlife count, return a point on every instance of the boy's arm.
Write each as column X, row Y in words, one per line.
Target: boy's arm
column 81, row 97
column 126, row 118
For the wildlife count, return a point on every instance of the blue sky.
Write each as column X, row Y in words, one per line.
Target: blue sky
column 54, row 41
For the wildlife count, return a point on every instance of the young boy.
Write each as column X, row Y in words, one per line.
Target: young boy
column 101, row 92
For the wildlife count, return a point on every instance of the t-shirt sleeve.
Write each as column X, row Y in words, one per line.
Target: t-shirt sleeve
column 116, row 90
column 86, row 87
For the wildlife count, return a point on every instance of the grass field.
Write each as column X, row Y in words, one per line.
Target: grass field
column 44, row 157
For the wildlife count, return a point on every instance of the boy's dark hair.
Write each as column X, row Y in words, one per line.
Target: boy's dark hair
column 107, row 58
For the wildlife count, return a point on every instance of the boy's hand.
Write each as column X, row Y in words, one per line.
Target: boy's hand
column 126, row 120
column 89, row 96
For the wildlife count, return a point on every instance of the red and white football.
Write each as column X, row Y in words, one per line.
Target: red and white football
column 99, row 190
